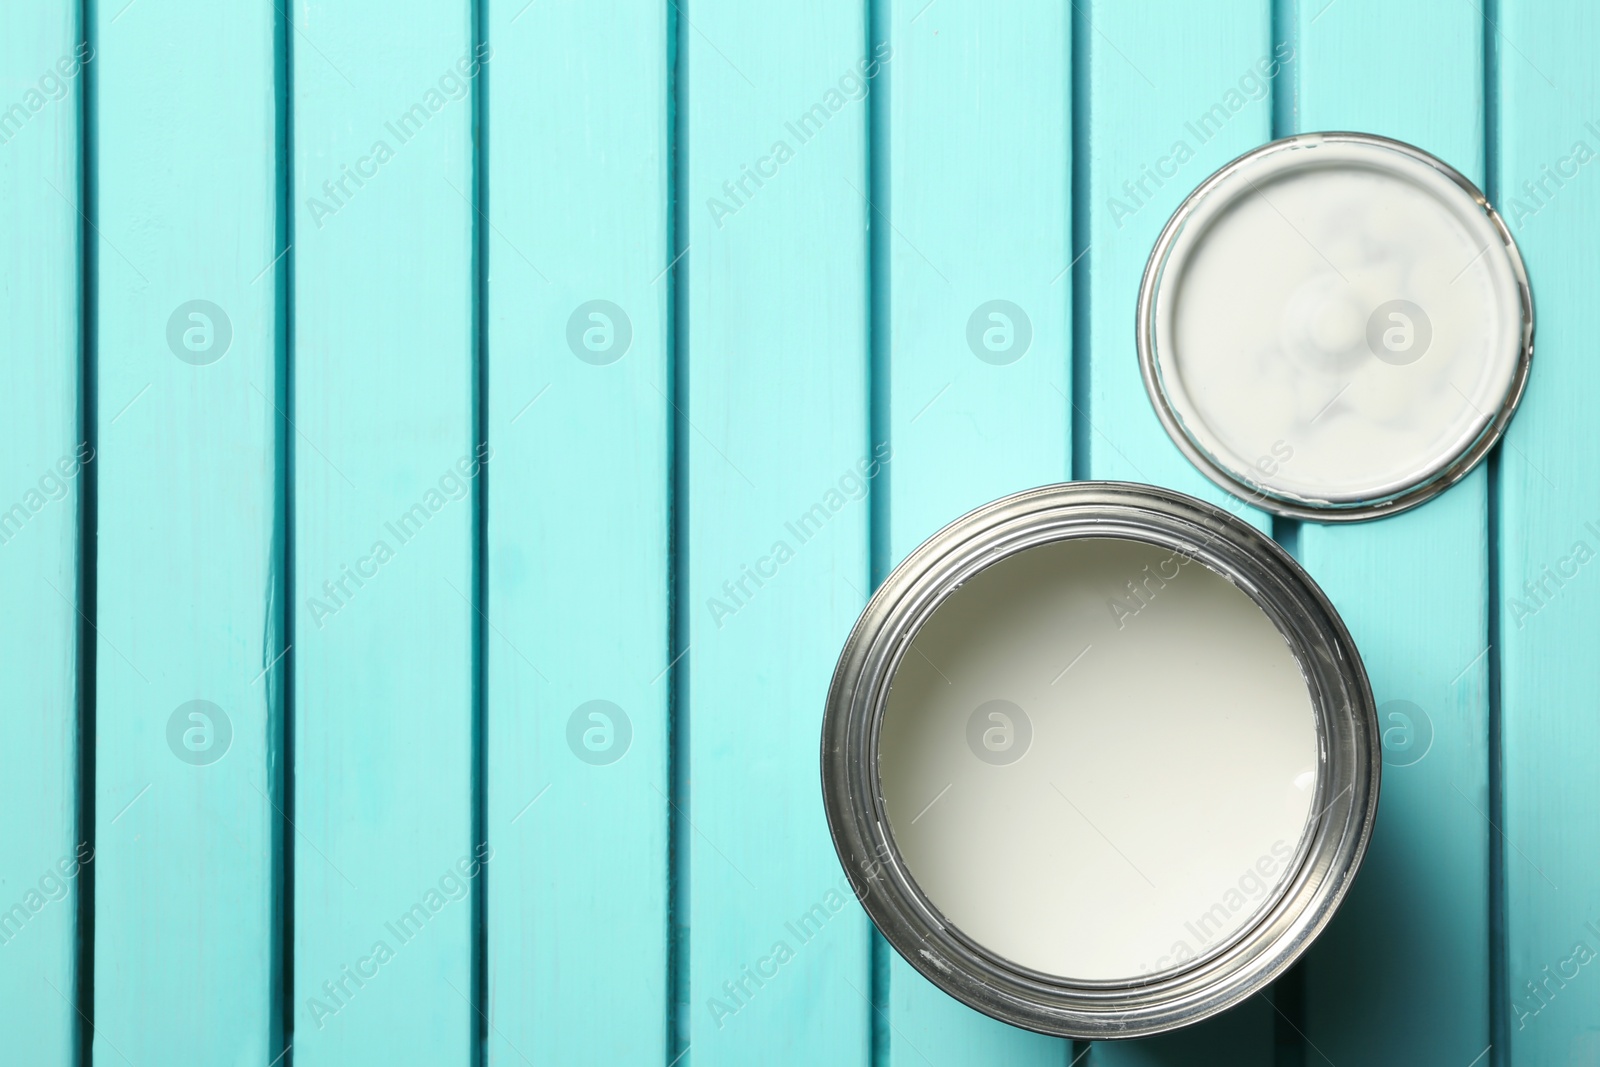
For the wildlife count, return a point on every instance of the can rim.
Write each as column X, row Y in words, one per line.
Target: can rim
column 1329, row 853
column 1290, row 505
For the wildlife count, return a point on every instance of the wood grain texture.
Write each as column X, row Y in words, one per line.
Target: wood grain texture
column 383, row 526
column 41, row 80
column 1549, row 514
column 1242, row 1035
column 775, row 438
column 820, row 333
column 1413, row 590
column 975, row 169
column 186, row 478
column 1175, row 91
column 578, row 532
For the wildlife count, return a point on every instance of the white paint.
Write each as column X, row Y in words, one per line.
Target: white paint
column 1262, row 316
column 1168, row 781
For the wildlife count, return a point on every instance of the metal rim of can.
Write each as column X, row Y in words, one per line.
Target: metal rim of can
column 1326, row 859
column 1286, row 504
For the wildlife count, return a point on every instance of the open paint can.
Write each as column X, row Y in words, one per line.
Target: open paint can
column 1100, row 760
column 1335, row 326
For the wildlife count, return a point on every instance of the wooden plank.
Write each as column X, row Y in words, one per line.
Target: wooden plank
column 41, row 479
column 976, row 100
column 1156, row 74
column 578, row 532
column 1154, row 81
column 186, row 356
column 1175, row 91
column 1550, row 604
column 775, row 436
column 384, row 465
column 1245, row 1034
column 1414, row 591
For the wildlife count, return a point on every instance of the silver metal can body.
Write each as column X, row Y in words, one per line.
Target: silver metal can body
column 1326, row 858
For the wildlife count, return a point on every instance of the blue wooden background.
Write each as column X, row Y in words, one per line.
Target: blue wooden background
column 400, row 378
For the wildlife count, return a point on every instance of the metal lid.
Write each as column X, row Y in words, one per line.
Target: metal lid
column 1335, row 326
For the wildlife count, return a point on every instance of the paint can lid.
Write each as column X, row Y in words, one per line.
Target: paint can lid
column 1335, row 326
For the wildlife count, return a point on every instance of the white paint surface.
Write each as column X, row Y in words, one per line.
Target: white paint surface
column 1263, row 314
column 1167, row 782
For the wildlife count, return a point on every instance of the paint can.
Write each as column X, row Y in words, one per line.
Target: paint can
column 1130, row 692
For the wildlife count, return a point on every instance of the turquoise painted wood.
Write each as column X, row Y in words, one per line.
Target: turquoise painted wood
column 775, row 440
column 1414, row 591
column 644, row 338
column 974, row 240
column 42, row 461
column 385, row 468
column 1246, row 1035
column 1549, row 511
column 1174, row 89
column 579, row 525
column 185, row 342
